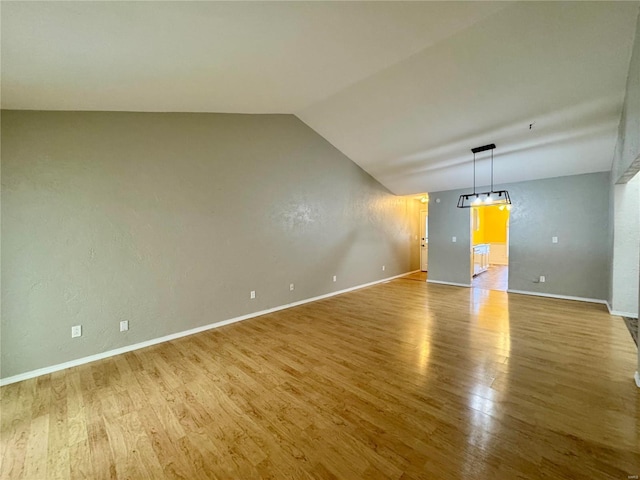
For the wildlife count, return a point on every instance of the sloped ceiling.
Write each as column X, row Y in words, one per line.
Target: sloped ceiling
column 404, row 89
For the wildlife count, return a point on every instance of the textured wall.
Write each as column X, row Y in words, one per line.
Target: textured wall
column 610, row 231
column 478, row 229
column 169, row 220
column 493, row 225
column 449, row 261
column 574, row 208
column 414, row 216
column 626, row 247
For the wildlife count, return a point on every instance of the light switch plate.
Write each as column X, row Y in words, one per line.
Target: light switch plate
column 554, row 239
column 454, row 239
column 124, row 325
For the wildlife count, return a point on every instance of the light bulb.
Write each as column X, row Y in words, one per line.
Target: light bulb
column 488, row 199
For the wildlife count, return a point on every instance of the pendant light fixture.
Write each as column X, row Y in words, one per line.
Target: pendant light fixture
column 483, row 199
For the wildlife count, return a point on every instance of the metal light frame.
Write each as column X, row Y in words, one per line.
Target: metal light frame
column 483, row 199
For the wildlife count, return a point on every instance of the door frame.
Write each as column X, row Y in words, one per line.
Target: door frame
column 424, row 238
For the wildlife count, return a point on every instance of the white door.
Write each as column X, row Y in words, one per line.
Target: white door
column 424, row 241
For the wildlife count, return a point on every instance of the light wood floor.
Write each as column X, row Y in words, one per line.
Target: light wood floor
column 496, row 278
column 401, row 380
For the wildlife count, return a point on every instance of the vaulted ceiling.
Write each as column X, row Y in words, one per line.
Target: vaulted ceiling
column 404, row 89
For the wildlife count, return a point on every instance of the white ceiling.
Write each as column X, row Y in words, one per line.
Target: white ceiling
column 405, row 89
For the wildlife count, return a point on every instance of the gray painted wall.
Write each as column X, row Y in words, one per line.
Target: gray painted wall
column 449, row 261
column 610, row 234
column 626, row 164
column 626, row 247
column 169, row 220
column 574, row 208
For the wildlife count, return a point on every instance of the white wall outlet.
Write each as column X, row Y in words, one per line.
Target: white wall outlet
column 454, row 239
column 253, row 294
column 542, row 279
column 76, row 331
column 383, row 268
column 335, row 278
column 554, row 239
column 124, row 325
column 291, row 287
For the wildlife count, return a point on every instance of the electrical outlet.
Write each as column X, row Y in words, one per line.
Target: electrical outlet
column 335, row 278
column 124, row 325
column 454, row 239
column 291, row 287
column 383, row 268
column 542, row 279
column 76, row 331
column 253, row 294
column 554, row 239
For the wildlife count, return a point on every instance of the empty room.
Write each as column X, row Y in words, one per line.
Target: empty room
column 319, row 240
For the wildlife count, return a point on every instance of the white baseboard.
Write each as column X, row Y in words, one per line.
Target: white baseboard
column 467, row 285
column 136, row 346
column 637, row 379
column 561, row 297
column 620, row 313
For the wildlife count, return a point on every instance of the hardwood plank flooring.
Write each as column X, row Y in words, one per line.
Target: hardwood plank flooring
column 402, row 380
column 496, row 278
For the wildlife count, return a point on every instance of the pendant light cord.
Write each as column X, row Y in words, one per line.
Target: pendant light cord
column 492, row 169
column 474, row 173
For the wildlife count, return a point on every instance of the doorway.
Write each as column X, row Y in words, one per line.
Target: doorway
column 490, row 247
column 424, row 240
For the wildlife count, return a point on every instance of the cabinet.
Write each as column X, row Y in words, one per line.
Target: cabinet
column 480, row 258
